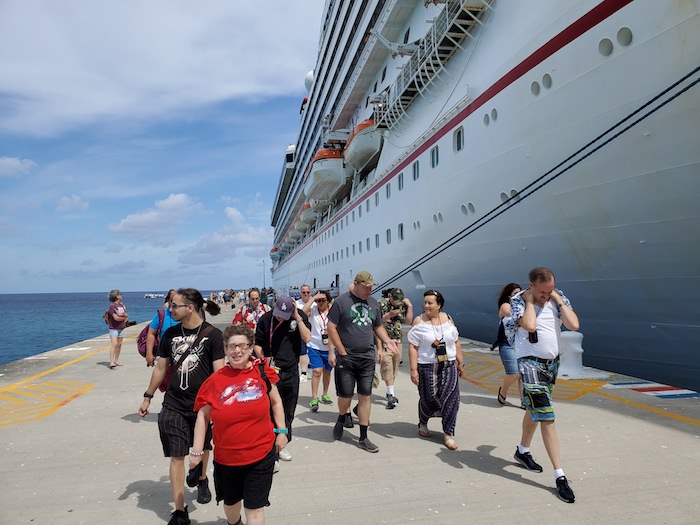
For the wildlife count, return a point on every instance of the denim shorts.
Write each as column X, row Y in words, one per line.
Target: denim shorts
column 510, row 363
column 351, row 370
column 116, row 333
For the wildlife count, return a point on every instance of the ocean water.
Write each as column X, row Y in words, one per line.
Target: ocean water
column 36, row 323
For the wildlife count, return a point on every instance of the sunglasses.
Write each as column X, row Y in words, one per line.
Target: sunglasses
column 175, row 306
column 321, row 301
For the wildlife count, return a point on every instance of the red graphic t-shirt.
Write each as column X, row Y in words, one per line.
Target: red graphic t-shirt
column 240, row 411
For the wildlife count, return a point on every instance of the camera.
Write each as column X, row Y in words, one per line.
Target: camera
column 440, row 350
column 532, row 337
column 324, row 336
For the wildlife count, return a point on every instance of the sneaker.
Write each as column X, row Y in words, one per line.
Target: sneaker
column 276, row 468
column 564, row 491
column 348, row 421
column 203, row 492
column 526, row 461
column 285, row 455
column 314, row 405
column 303, row 378
column 391, row 401
column 338, row 429
column 326, row 400
column 179, row 517
column 368, row 445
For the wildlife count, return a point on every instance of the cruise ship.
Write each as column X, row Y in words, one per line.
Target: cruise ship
column 457, row 144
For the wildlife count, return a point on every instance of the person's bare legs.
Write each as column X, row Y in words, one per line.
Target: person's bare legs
column 508, row 381
column 233, row 512
column 344, row 405
column 118, row 350
column 177, row 481
column 363, row 409
column 254, row 516
column 326, row 381
column 315, row 381
column 551, row 443
column 529, row 427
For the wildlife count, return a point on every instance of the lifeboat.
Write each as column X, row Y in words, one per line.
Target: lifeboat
column 326, row 176
column 294, row 234
column 308, row 214
column 363, row 144
column 275, row 254
column 300, row 225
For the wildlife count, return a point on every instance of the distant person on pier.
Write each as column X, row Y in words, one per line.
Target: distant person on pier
column 437, row 363
column 196, row 350
column 397, row 310
column 353, row 320
column 505, row 350
column 117, row 322
column 278, row 337
column 250, row 313
column 155, row 330
column 534, row 329
column 305, row 297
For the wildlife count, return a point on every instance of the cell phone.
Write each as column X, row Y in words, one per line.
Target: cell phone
column 532, row 337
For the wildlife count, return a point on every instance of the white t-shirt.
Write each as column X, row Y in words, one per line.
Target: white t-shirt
column 319, row 322
column 548, row 332
column 424, row 334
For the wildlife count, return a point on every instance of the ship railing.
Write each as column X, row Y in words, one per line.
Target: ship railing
column 451, row 27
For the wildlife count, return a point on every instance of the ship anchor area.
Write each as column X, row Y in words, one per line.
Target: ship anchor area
column 76, row 451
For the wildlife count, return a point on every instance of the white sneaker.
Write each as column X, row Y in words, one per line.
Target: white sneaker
column 285, row 455
column 276, row 469
column 303, row 378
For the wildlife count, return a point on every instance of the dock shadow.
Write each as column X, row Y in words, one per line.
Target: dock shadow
column 482, row 460
column 135, row 418
column 151, row 495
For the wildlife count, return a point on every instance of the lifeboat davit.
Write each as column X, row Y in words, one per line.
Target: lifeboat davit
column 326, row 176
column 308, row 214
column 300, row 225
column 275, row 254
column 363, row 144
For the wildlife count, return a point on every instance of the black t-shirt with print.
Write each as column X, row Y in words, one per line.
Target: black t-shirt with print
column 286, row 340
column 196, row 367
column 356, row 320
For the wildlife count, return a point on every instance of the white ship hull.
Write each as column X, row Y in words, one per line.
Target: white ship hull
column 617, row 222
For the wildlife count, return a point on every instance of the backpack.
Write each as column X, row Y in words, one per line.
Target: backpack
column 105, row 316
column 141, row 340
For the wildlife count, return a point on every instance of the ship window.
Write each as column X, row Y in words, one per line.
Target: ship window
column 332, row 257
column 359, row 211
column 400, row 181
column 367, row 102
column 416, row 170
column 367, row 243
column 375, row 88
column 388, row 236
column 400, row 231
column 359, row 246
column 406, row 35
column 376, row 240
column 341, row 224
column 353, row 215
column 376, row 199
column 347, row 220
column 367, row 205
column 434, row 157
column 353, row 249
column 384, row 70
column 388, row 190
column 347, row 252
column 458, row 139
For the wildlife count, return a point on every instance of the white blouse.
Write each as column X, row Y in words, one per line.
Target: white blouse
column 424, row 334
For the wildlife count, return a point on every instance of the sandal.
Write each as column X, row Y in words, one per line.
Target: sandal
column 451, row 444
column 423, row 431
column 500, row 397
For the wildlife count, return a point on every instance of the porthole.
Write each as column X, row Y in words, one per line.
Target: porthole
column 605, row 47
column 435, row 219
column 547, row 80
column 383, row 73
column 535, row 88
column 494, row 114
column 464, row 210
column 471, row 208
column 624, row 36
column 414, row 226
column 418, row 224
column 486, row 119
column 440, row 217
column 504, row 197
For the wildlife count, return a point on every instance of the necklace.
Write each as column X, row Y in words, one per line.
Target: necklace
column 182, row 329
column 439, row 325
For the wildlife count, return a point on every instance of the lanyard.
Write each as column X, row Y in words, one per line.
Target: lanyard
column 272, row 330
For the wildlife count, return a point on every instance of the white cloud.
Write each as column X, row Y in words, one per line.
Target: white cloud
column 71, row 204
column 68, row 65
column 160, row 221
column 14, row 166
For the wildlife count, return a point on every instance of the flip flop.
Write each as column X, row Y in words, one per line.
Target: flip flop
column 423, row 431
column 501, row 397
column 451, row 444
column 112, row 366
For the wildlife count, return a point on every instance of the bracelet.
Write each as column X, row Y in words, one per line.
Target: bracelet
column 147, row 395
column 193, row 453
column 281, row 431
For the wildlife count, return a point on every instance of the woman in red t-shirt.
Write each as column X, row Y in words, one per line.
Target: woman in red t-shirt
column 237, row 399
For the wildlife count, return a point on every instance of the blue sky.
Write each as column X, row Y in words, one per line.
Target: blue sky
column 141, row 143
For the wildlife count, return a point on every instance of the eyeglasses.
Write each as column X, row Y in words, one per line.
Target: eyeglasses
column 175, row 306
column 238, row 346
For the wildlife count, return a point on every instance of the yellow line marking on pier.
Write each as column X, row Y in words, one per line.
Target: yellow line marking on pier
column 482, row 373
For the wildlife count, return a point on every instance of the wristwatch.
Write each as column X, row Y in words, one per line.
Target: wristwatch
column 147, row 395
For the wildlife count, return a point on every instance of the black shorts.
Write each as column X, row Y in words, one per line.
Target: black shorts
column 350, row 369
column 250, row 483
column 177, row 432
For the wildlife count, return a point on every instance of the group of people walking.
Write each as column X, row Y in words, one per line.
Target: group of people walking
column 241, row 388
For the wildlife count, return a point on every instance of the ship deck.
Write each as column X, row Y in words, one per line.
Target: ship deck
column 75, row 451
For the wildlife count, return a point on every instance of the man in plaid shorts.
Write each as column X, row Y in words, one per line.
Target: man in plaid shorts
column 534, row 330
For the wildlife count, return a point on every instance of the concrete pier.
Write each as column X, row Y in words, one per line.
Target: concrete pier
column 75, row 452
